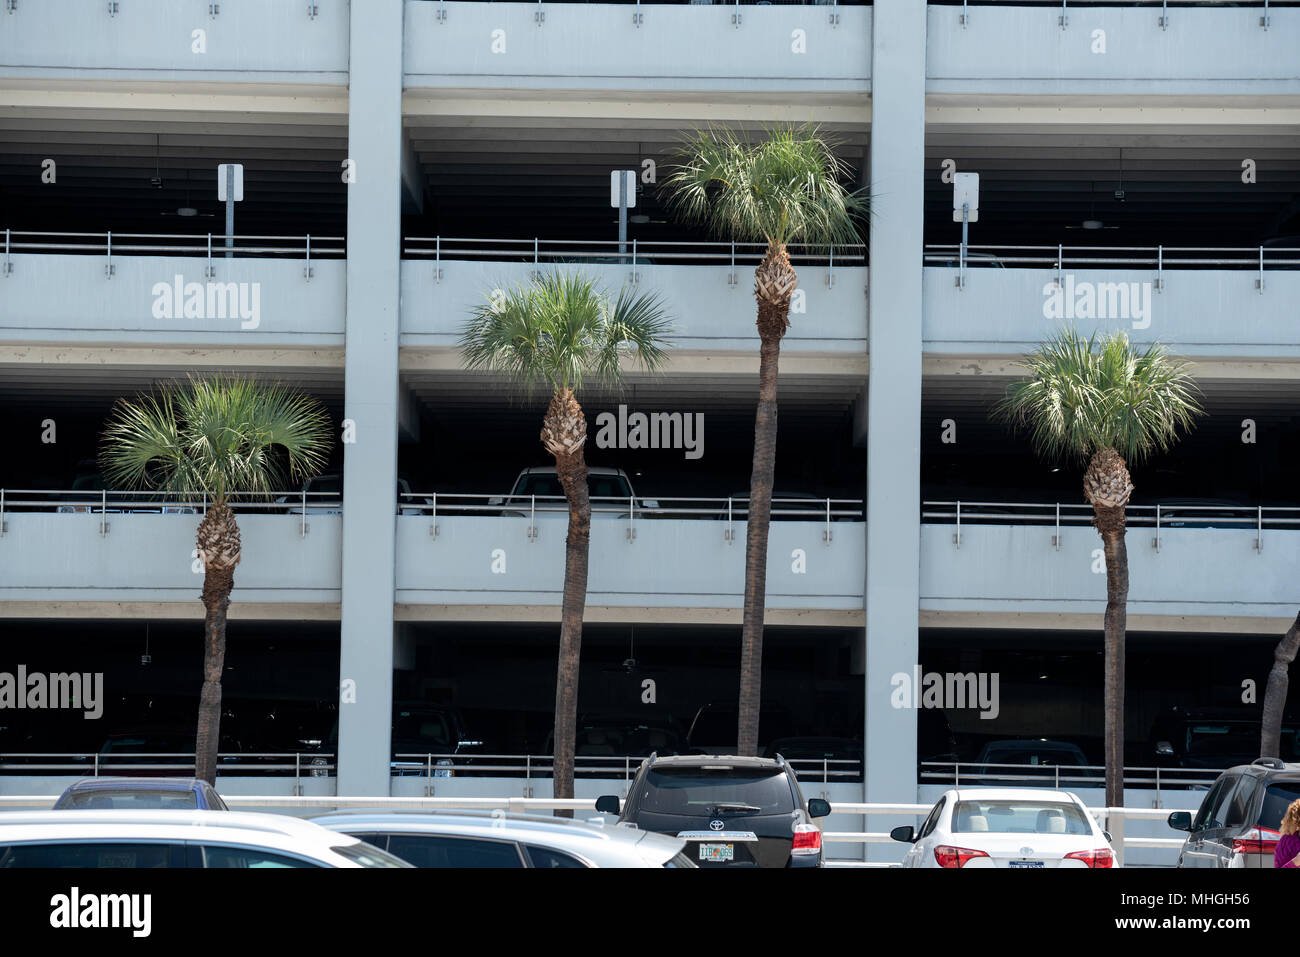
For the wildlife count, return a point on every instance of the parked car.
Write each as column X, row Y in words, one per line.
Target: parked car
column 1033, row 759
column 1238, row 820
column 1204, row 513
column 1215, row 738
column 154, row 751
column 978, row 828
column 419, row 731
column 324, row 496
column 838, row 759
column 611, row 735
column 90, row 493
column 139, row 794
column 497, row 839
column 716, row 724
column 732, row 811
column 537, row 491
column 135, row 839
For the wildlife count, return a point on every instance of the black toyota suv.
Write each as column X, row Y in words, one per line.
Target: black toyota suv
column 1237, row 823
column 732, row 811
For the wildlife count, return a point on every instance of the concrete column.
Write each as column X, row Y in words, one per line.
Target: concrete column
column 370, row 465
column 894, row 400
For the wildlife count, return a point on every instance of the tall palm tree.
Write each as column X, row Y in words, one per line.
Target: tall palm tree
column 561, row 332
column 1270, row 742
column 785, row 189
column 1104, row 404
column 213, row 438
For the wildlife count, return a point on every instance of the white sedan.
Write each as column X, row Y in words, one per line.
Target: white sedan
column 1007, row 827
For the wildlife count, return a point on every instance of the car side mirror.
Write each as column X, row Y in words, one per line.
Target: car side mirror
column 607, row 804
column 818, row 808
column 904, row 833
column 1181, row 820
column 1164, row 749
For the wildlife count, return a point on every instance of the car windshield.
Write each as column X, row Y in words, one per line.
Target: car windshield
column 1034, row 757
column 425, row 728
column 548, row 484
column 697, row 791
column 137, row 799
column 1018, row 817
column 1277, row 799
column 1236, row 739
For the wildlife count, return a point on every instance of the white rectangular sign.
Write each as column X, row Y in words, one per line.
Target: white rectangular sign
column 223, row 171
column 966, row 190
column 630, row 176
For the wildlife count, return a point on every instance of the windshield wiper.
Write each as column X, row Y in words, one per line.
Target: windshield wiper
column 718, row 808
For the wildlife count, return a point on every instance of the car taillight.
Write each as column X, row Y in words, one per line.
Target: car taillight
column 1097, row 857
column 1258, row 840
column 955, row 856
column 807, row 839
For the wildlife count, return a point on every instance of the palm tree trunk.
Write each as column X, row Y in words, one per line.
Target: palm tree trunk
column 774, row 283
column 219, row 549
column 564, row 433
column 1116, row 623
column 1270, row 742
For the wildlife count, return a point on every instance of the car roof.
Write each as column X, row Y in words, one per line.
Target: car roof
column 530, row 827
column 1035, row 795
column 591, row 470
column 135, row 784
column 714, row 760
column 274, row 829
column 1042, row 744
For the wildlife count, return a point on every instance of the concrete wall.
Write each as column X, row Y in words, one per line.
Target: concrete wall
column 248, row 41
column 599, row 46
column 707, row 312
column 53, row 557
column 671, row 563
column 1198, row 312
column 1213, row 51
column 53, row 298
column 1198, row 571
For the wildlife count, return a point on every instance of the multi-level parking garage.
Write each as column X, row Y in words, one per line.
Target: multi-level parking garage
column 404, row 160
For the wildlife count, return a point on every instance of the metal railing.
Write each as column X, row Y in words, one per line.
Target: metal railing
column 540, row 251
column 1063, row 257
column 1160, row 517
column 1057, row 776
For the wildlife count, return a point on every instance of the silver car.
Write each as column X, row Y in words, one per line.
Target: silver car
column 498, row 839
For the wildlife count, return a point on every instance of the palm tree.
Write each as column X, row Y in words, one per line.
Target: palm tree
column 211, row 439
column 1270, row 742
column 786, row 189
column 561, row 332
column 1103, row 403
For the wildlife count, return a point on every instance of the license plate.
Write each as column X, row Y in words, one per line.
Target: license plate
column 1025, row 863
column 717, row 852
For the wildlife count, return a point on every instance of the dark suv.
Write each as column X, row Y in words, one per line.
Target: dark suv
column 1237, row 824
column 731, row 811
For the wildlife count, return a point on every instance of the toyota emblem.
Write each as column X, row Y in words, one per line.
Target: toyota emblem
column 716, row 825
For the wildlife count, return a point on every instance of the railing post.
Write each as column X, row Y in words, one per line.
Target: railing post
column 532, row 517
column 1157, row 541
column 631, row 520
column 103, row 511
column 729, row 535
column 1065, row 17
column 437, row 259
column 303, row 532
column 209, row 272
column 956, row 539
column 826, row 536
column 433, row 529
column 1259, row 283
column 830, row 267
column 1164, row 14
column 731, row 276
column 108, row 252
column 3, row 526
column 307, row 271
column 8, row 265
column 1057, row 539
column 1160, row 268
column 428, row 775
column 297, row 774
column 1259, row 529
column 965, row 17
column 528, row 775
column 1059, row 257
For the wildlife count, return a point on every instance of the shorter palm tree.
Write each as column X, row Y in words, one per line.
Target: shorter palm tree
column 1105, row 404
column 561, row 332
column 209, row 440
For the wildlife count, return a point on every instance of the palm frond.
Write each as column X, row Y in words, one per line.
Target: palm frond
column 1082, row 395
column 787, row 188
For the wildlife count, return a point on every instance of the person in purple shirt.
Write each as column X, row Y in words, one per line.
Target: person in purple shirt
column 1287, row 853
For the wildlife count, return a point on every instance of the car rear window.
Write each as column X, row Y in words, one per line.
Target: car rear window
column 1277, row 799
column 1018, row 817
column 140, row 800
column 697, row 791
column 598, row 486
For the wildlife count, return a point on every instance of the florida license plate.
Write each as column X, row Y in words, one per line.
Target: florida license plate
column 717, row 852
column 1025, row 863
